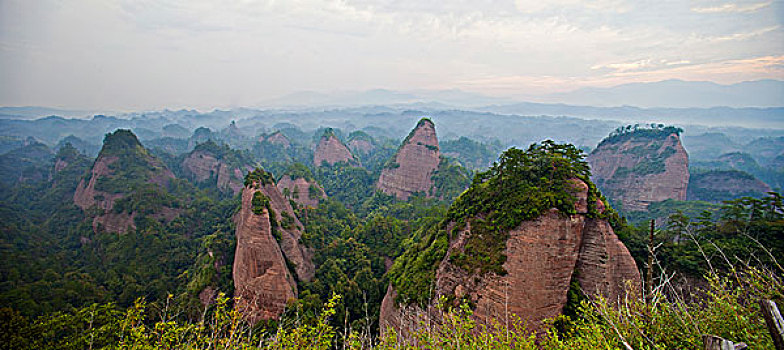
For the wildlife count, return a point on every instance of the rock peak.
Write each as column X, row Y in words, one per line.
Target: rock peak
column 513, row 244
column 268, row 233
column 412, row 167
column 331, row 150
column 636, row 167
column 123, row 166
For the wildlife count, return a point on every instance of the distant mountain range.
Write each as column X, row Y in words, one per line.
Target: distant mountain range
column 662, row 94
column 755, row 104
column 678, row 94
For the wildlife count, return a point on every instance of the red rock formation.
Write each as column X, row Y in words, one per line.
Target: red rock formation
column 261, row 279
column 277, row 138
column 331, row 151
column 359, row 146
column 88, row 196
column 639, row 170
column 299, row 191
column 201, row 166
column 414, row 163
column 295, row 252
column 543, row 256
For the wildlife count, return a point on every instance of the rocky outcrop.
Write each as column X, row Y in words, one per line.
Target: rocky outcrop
column 721, row 185
column 86, row 196
column 290, row 229
column 331, row 151
column 203, row 165
column 262, row 280
column 277, row 138
column 121, row 166
column 543, row 257
column 412, row 167
column 637, row 168
column 359, row 142
column 265, row 240
column 302, row 191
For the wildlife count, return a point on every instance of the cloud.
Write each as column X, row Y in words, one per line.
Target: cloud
column 733, row 8
column 743, row 36
column 204, row 53
column 536, row 6
column 725, row 72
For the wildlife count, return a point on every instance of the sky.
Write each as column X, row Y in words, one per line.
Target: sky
column 145, row 54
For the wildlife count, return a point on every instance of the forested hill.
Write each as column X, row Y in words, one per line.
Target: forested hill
column 68, row 281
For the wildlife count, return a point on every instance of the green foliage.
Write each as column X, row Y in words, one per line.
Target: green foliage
column 314, row 192
column 259, row 178
column 695, row 243
column 524, row 184
column 131, row 166
column 664, row 209
column 652, row 131
column 473, row 154
column 347, row 184
column 29, row 163
column 703, row 185
column 120, row 142
column 670, row 323
column 299, row 170
column 449, row 180
column 286, row 221
column 259, row 203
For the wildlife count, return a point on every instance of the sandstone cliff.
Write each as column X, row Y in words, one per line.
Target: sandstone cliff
column 414, row 164
column 331, row 150
column 122, row 167
column 526, row 269
column 636, row 168
column 261, row 278
column 302, row 191
column 276, row 138
column 360, row 143
column 721, row 185
column 268, row 233
column 220, row 165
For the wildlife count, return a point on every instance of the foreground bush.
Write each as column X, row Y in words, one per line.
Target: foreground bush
column 727, row 307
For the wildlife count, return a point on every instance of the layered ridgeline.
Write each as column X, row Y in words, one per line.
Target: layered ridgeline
column 635, row 167
column 361, row 143
column 124, row 169
column 299, row 185
column 526, row 233
column 269, row 258
column 217, row 165
column 276, row 138
column 418, row 167
column 722, row 185
column 331, row 150
column 29, row 163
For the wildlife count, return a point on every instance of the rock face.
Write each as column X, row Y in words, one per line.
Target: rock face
column 261, row 279
column 638, row 168
column 261, row 276
column 209, row 164
column 360, row 143
column 543, row 257
column 115, row 175
column 414, row 163
column 302, row 191
column 331, row 150
column 721, row 185
column 277, row 138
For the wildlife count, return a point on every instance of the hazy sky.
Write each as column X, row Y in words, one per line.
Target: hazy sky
column 126, row 55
